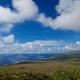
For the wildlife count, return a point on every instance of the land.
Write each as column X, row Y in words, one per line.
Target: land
column 42, row 70
column 42, row 66
column 61, row 67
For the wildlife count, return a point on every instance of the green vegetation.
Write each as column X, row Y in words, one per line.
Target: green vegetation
column 55, row 70
column 59, row 75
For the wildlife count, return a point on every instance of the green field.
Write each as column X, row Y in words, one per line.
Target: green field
column 51, row 70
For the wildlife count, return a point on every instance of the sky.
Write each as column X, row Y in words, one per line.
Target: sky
column 39, row 26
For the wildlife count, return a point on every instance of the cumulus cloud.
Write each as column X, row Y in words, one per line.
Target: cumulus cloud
column 73, row 47
column 9, row 39
column 69, row 16
column 23, row 10
column 39, row 46
column 68, row 19
column 6, row 28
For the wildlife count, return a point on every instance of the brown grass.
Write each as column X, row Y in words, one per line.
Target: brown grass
column 42, row 67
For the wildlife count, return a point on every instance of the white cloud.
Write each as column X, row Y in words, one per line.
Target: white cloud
column 24, row 10
column 6, row 28
column 9, row 39
column 38, row 46
column 69, row 16
column 30, row 47
column 73, row 47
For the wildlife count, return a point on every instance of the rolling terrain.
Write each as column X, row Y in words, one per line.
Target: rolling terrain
column 26, row 58
column 63, row 66
column 52, row 70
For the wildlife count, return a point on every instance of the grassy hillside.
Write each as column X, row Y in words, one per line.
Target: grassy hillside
column 73, row 55
column 55, row 70
column 61, row 67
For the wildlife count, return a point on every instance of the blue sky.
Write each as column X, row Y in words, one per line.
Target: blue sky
column 38, row 26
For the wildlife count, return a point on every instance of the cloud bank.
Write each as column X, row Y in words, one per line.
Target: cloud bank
column 68, row 19
column 9, row 46
column 69, row 16
column 23, row 10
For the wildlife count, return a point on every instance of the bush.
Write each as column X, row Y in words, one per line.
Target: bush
column 58, row 75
